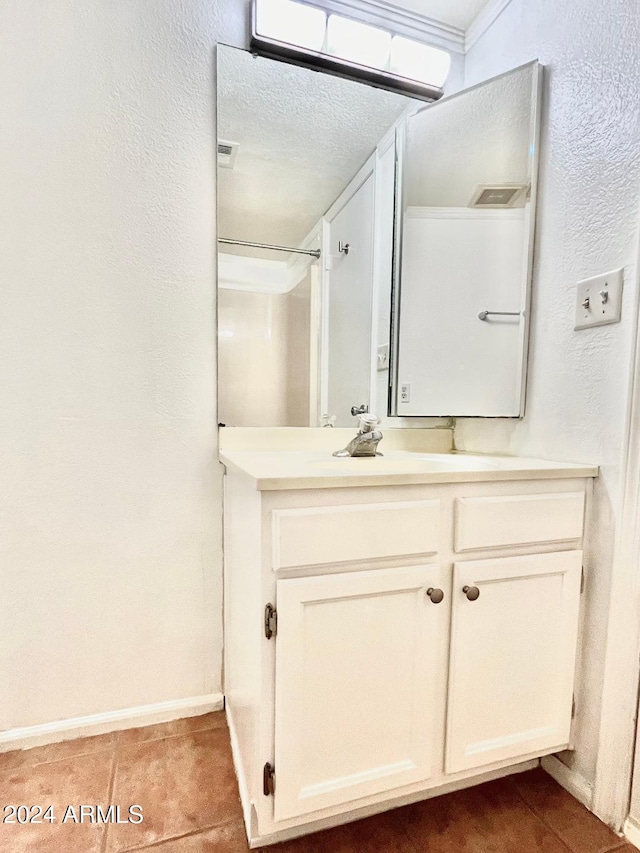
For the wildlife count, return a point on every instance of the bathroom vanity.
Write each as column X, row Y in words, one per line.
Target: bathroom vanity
column 395, row 627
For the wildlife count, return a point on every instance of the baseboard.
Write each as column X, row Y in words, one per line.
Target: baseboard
column 571, row 781
column 111, row 721
column 631, row 830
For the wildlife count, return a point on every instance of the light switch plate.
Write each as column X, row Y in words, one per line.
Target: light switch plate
column 383, row 357
column 599, row 300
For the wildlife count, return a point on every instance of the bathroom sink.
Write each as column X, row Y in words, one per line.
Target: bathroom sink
column 403, row 464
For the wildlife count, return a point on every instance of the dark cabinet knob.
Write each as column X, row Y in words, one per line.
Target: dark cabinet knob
column 436, row 595
column 472, row 592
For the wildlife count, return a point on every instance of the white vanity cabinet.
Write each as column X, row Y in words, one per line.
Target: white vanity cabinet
column 424, row 638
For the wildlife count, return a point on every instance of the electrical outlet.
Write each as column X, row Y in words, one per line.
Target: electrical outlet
column 405, row 393
column 599, row 300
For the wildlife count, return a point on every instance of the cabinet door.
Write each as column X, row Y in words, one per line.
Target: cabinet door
column 512, row 657
column 360, row 669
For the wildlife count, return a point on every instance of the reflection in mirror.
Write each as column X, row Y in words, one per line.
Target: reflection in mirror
column 464, row 251
column 297, row 157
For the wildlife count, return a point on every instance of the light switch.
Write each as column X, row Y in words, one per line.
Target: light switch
column 599, row 300
column 383, row 357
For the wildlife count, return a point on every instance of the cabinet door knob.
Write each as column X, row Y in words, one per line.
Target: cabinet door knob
column 436, row 595
column 472, row 592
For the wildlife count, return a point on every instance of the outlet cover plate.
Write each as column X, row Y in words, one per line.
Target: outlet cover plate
column 604, row 295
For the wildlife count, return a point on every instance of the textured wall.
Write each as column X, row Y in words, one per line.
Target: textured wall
column 110, row 500
column 587, row 223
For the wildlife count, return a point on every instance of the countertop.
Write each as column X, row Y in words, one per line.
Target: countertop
column 318, row 469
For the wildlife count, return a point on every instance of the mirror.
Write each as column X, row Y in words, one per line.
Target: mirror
column 313, row 213
column 295, row 330
column 464, row 245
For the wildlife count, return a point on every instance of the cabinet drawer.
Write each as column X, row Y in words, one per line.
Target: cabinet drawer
column 518, row 520
column 314, row 536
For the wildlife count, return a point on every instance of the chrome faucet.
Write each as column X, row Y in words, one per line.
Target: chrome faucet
column 366, row 441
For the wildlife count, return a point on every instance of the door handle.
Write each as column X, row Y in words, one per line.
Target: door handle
column 472, row 592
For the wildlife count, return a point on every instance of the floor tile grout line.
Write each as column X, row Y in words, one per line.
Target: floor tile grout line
column 169, row 737
column 28, row 765
column 541, row 819
column 110, row 791
column 192, row 833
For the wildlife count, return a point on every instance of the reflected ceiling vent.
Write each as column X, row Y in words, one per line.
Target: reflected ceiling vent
column 227, row 152
column 499, row 196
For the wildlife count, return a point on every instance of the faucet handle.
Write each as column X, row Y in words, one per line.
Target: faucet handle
column 367, row 421
column 359, row 410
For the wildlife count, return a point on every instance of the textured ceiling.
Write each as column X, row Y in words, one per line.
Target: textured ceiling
column 303, row 136
column 458, row 13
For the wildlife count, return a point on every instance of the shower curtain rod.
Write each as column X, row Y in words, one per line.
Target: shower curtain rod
column 315, row 253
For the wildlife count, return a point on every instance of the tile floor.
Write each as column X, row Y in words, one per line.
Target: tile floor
column 181, row 774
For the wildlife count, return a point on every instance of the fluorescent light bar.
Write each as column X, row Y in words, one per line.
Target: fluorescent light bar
column 419, row 61
column 291, row 22
column 358, row 42
column 350, row 50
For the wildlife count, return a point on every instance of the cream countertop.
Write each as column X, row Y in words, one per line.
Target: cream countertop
column 318, row 469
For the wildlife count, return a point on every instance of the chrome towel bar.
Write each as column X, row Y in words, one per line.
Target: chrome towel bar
column 484, row 314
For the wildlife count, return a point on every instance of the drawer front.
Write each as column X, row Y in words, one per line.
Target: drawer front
column 518, row 520
column 314, row 536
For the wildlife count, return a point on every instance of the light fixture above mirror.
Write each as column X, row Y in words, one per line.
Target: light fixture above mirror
column 304, row 34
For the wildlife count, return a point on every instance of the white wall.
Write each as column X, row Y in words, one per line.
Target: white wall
column 110, row 493
column 587, row 223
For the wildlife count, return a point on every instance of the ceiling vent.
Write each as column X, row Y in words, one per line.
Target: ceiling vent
column 227, row 152
column 499, row 196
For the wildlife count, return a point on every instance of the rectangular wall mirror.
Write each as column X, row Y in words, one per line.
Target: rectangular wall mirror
column 312, row 206
column 464, row 246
